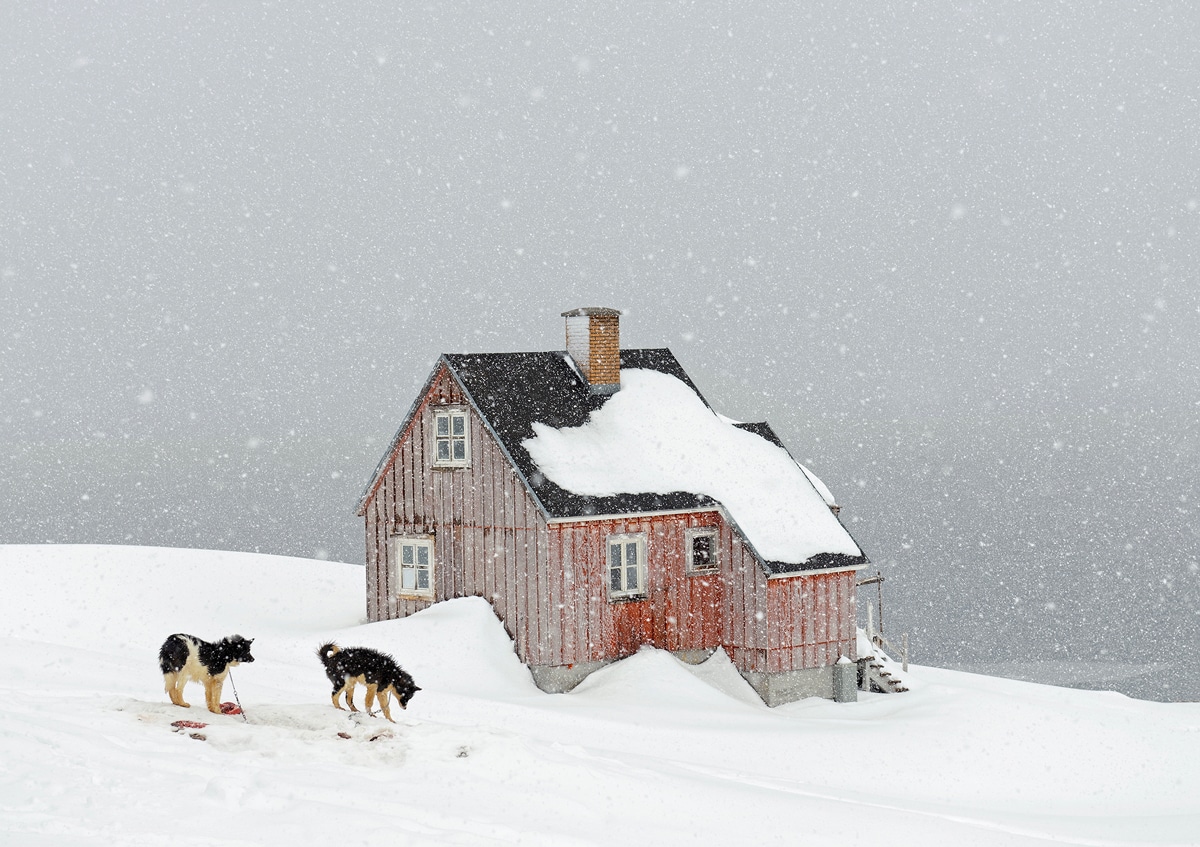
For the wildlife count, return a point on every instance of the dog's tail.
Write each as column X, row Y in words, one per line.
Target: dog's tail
column 325, row 651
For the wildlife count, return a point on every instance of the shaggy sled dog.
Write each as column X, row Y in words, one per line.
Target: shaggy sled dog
column 362, row 665
column 185, row 658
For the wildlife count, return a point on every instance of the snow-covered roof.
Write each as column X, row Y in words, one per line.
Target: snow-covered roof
column 825, row 493
column 690, row 458
column 656, row 435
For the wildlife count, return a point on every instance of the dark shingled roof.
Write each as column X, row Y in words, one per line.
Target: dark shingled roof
column 513, row 390
column 763, row 430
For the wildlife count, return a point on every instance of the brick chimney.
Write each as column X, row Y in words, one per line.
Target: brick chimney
column 594, row 343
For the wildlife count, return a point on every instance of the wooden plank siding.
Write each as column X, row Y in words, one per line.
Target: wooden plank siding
column 679, row 611
column 744, row 632
column 484, row 523
column 811, row 621
column 787, row 623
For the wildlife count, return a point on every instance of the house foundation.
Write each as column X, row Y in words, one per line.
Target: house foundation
column 835, row 682
column 558, row 679
column 775, row 689
column 694, row 657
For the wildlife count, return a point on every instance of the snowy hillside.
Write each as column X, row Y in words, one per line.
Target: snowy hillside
column 648, row 751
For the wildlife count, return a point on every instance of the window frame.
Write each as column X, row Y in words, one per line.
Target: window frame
column 626, row 539
column 690, row 536
column 417, row 542
column 450, row 414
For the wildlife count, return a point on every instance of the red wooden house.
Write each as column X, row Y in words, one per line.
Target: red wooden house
column 599, row 504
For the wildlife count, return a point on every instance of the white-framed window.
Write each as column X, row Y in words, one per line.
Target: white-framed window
column 627, row 565
column 414, row 565
column 702, row 547
column 451, row 442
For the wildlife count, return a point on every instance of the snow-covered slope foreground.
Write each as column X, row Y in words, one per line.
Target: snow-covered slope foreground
column 648, row 751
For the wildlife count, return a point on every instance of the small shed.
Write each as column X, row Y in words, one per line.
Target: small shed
column 599, row 503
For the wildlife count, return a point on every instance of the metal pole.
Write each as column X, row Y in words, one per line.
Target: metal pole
column 879, row 587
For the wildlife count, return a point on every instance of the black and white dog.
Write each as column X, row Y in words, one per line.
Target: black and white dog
column 362, row 665
column 185, row 658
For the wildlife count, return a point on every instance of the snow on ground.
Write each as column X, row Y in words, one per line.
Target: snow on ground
column 647, row 751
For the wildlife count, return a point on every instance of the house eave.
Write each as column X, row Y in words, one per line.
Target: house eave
column 620, row 516
column 801, row 570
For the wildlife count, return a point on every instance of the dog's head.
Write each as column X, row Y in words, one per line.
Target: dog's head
column 238, row 649
column 404, row 691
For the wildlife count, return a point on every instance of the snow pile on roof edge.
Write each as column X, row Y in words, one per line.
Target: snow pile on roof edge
column 656, row 436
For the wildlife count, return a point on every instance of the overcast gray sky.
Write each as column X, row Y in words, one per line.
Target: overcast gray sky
column 948, row 249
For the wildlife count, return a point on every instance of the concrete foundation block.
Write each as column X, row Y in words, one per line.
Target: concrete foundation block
column 845, row 682
column 788, row 686
column 694, row 657
column 556, row 679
